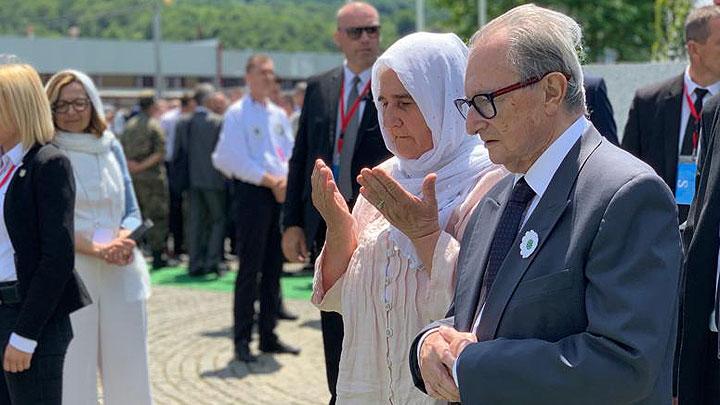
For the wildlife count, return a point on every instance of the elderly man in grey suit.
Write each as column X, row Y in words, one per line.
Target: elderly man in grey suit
column 567, row 278
column 195, row 139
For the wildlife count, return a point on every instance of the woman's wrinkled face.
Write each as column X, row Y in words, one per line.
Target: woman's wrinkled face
column 73, row 109
column 402, row 118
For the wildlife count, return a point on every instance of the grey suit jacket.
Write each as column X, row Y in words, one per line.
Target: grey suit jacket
column 196, row 136
column 590, row 316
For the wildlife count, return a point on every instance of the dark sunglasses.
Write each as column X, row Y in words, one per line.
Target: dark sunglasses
column 356, row 32
column 484, row 103
column 79, row 105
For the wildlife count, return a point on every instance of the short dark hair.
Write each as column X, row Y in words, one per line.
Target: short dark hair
column 146, row 102
column 697, row 24
column 185, row 99
column 255, row 60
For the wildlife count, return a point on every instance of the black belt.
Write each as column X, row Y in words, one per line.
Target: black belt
column 9, row 293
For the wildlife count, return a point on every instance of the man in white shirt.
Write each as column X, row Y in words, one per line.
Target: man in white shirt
column 567, row 276
column 254, row 148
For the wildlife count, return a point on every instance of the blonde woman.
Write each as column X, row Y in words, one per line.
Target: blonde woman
column 38, row 287
column 110, row 334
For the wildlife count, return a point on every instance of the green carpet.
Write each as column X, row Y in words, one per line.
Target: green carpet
column 293, row 287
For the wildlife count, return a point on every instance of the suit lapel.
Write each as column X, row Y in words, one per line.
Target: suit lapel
column 671, row 112
column 17, row 181
column 332, row 98
column 368, row 120
column 542, row 220
column 474, row 252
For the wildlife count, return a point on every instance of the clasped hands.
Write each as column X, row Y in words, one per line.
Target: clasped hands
column 438, row 354
column 119, row 251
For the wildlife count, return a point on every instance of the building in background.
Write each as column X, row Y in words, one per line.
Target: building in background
column 123, row 70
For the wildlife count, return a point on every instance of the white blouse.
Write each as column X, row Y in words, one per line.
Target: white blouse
column 385, row 303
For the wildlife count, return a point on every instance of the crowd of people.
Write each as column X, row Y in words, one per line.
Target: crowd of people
column 477, row 232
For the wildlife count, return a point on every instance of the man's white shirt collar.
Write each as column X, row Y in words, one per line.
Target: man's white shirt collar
column 540, row 174
column 349, row 75
column 690, row 85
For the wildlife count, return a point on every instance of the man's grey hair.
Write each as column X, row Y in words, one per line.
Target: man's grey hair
column 541, row 41
column 202, row 91
column 697, row 23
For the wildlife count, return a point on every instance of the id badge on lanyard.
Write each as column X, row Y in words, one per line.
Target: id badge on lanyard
column 687, row 165
column 685, row 186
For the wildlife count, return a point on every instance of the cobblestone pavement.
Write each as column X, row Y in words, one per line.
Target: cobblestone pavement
column 191, row 354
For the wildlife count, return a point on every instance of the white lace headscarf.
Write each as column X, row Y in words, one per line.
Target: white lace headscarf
column 431, row 67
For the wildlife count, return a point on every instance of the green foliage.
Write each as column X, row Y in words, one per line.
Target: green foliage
column 669, row 28
column 290, row 25
column 636, row 30
column 624, row 26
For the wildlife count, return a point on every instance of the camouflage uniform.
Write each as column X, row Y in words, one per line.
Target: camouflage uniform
column 143, row 137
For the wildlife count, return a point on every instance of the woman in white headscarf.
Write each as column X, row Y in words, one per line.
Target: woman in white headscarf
column 111, row 333
column 389, row 267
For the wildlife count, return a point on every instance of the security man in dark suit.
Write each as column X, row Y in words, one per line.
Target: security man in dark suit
column 698, row 365
column 662, row 122
column 338, row 124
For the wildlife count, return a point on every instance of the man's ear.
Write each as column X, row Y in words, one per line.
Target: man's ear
column 336, row 39
column 556, row 85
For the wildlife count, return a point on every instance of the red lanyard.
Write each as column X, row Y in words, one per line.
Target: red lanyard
column 696, row 116
column 345, row 119
column 7, row 176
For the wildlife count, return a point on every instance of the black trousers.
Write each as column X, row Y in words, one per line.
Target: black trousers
column 175, row 215
column 705, row 383
column 260, row 254
column 332, row 326
column 41, row 384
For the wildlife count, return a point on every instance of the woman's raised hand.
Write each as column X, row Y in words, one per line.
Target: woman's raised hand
column 327, row 198
column 415, row 217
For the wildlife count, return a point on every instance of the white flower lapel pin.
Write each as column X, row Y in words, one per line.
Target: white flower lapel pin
column 528, row 244
column 21, row 173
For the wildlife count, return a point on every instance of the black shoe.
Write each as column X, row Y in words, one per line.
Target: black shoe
column 285, row 315
column 221, row 269
column 197, row 273
column 158, row 261
column 279, row 348
column 242, row 354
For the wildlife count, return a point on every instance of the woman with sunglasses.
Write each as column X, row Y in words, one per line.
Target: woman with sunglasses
column 389, row 266
column 110, row 334
column 38, row 287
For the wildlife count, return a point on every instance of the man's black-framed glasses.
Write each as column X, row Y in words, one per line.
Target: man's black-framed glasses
column 79, row 105
column 484, row 103
column 356, row 32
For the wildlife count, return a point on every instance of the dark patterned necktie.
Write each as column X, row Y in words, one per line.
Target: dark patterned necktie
column 691, row 128
column 505, row 234
column 345, row 181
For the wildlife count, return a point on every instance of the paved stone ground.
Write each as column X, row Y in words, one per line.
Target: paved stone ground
column 191, row 354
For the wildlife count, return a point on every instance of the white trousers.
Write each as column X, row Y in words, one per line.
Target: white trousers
column 110, row 336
